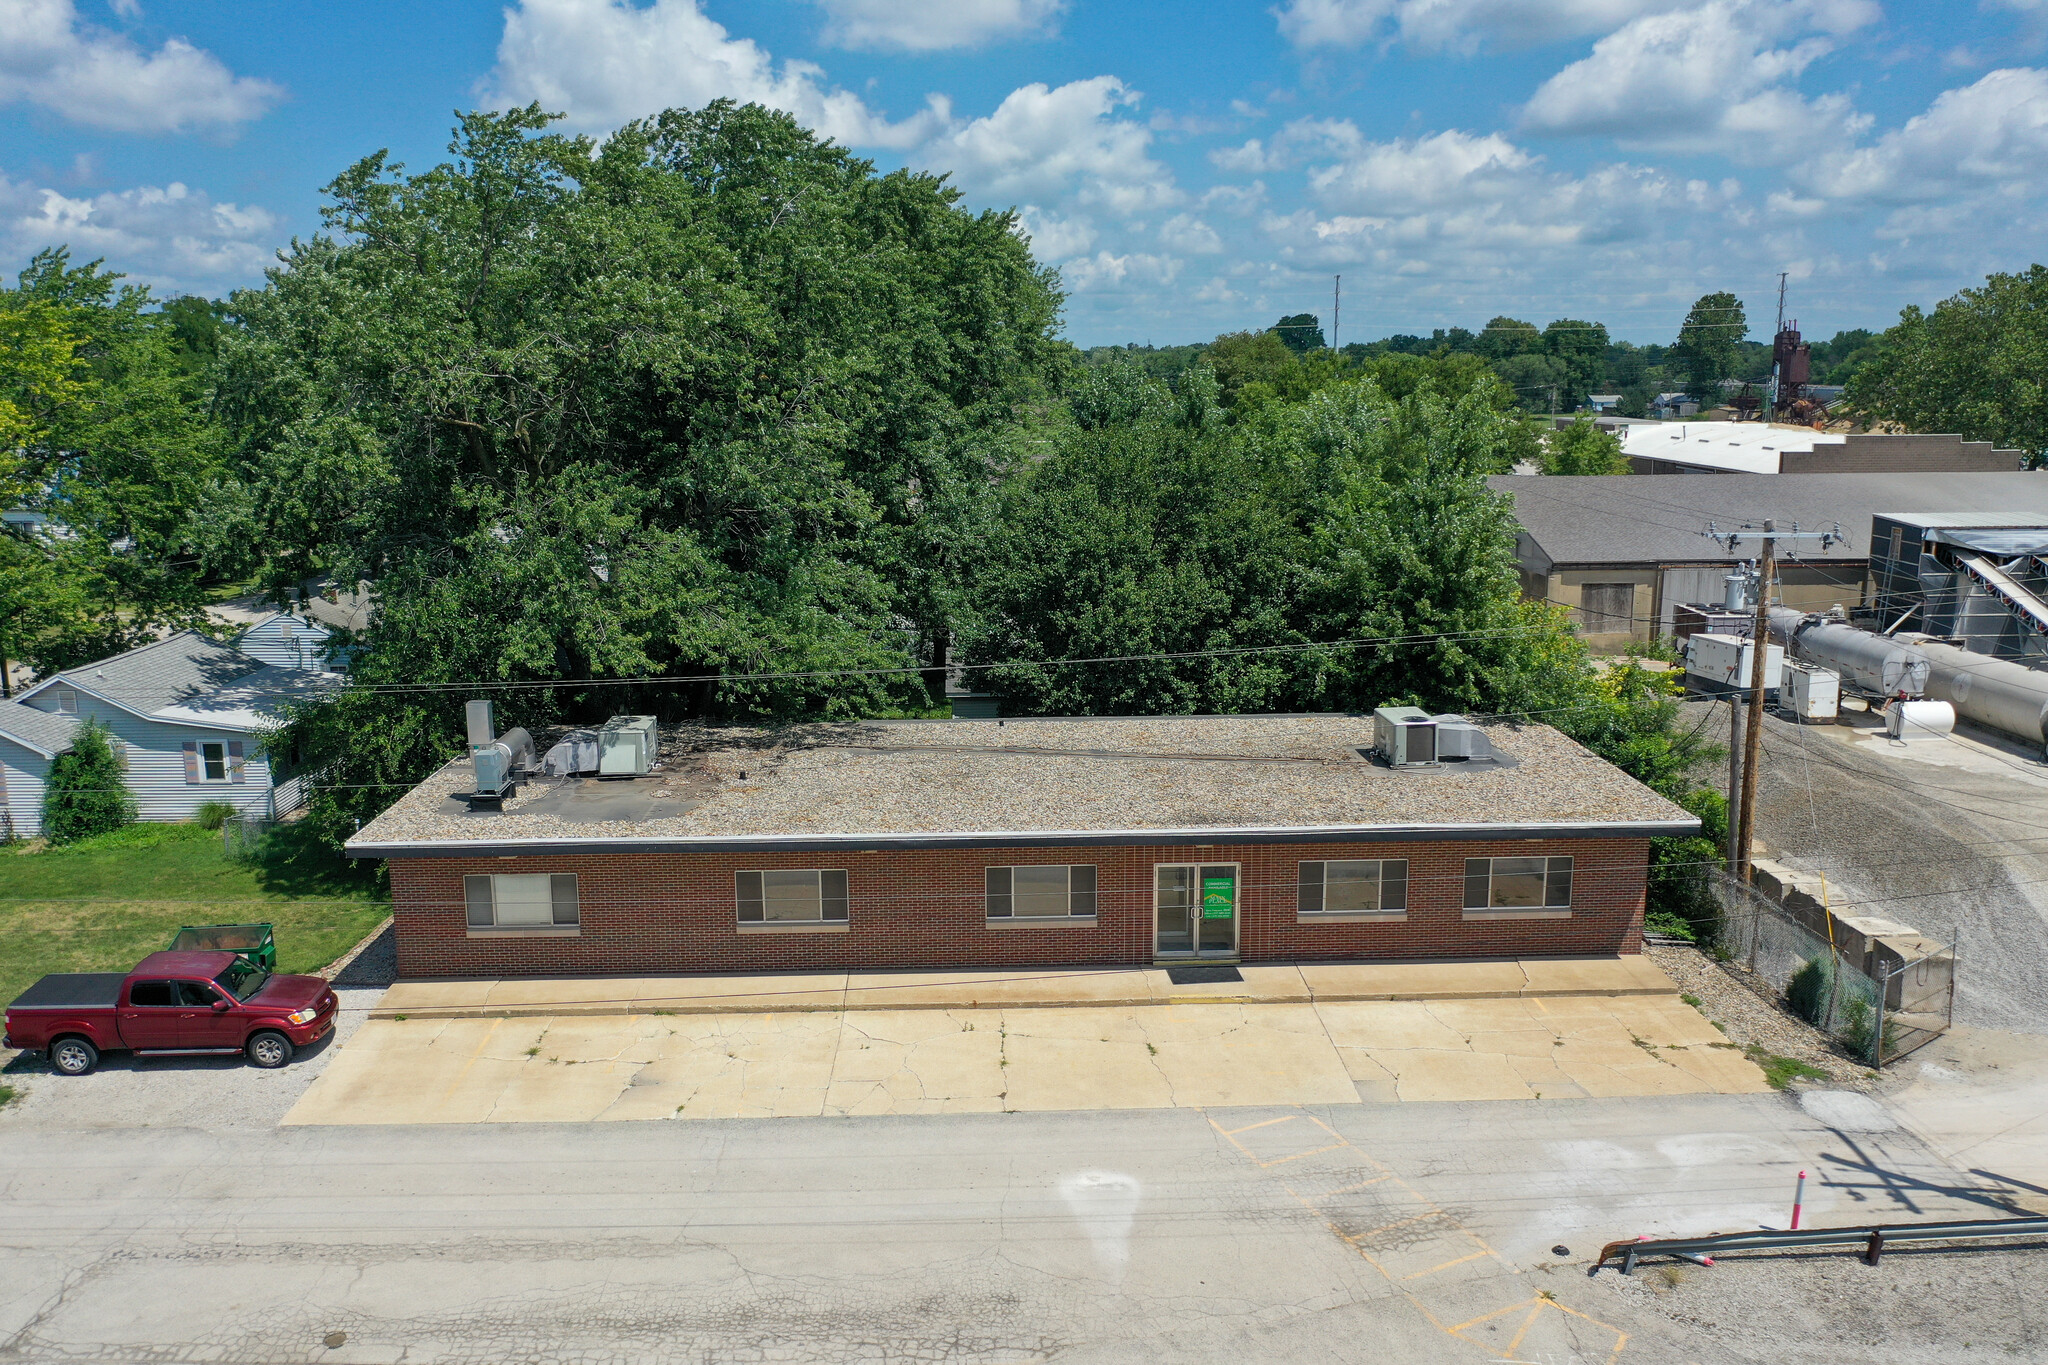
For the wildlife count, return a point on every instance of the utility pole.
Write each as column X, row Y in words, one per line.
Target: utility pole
column 1744, row 818
column 1336, row 310
column 1774, row 342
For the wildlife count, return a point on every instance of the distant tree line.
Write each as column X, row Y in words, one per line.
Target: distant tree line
column 1557, row 367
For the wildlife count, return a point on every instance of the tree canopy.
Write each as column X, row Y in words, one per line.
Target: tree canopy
column 115, row 464
column 1709, row 347
column 1978, row 364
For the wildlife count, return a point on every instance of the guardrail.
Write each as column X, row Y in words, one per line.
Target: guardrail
column 1873, row 1237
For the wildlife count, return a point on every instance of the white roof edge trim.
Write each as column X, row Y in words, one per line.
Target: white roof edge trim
column 900, row 836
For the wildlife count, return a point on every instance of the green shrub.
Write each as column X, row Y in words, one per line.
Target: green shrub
column 1807, row 992
column 1670, row 925
column 213, row 814
column 85, row 794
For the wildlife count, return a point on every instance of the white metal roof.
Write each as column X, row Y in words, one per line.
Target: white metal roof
column 1740, row 447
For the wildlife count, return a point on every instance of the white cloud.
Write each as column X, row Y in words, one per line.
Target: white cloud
column 1478, row 202
column 1044, row 145
column 603, row 62
column 1992, row 135
column 98, row 78
column 1712, row 77
column 1457, row 25
column 1411, row 175
column 1090, row 274
column 170, row 236
column 932, row 25
column 1185, row 232
column 1052, row 235
column 1289, row 146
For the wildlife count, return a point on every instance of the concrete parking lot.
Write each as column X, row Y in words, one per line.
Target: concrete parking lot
column 933, row 1061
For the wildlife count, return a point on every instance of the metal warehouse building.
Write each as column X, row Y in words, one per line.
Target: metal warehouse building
column 1058, row 842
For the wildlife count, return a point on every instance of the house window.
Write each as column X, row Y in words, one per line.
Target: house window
column 1607, row 608
column 1041, row 893
column 812, row 896
column 67, row 700
column 1353, row 887
column 213, row 762
column 1503, row 888
column 526, row 900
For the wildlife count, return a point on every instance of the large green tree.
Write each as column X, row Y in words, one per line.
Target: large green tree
column 116, row 459
column 1709, row 347
column 1353, row 528
column 1978, row 364
column 1582, row 347
column 713, row 400
column 716, row 398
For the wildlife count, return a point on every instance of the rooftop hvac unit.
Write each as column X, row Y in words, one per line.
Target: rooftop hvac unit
column 1405, row 736
column 1459, row 740
column 626, row 746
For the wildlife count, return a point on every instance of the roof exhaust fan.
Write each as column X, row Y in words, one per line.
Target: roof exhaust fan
column 497, row 760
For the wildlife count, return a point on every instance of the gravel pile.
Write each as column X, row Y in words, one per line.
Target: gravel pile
column 1221, row 773
column 1749, row 1013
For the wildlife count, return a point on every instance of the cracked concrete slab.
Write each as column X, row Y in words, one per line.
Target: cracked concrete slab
column 931, row 1061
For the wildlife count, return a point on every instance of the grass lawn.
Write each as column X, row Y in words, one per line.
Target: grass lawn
column 102, row 904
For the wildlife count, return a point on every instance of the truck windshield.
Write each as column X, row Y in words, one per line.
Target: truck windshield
column 242, row 980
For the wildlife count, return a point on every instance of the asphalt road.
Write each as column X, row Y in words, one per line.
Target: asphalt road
column 1359, row 1232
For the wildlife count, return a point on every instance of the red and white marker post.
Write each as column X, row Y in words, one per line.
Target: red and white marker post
column 1798, row 1198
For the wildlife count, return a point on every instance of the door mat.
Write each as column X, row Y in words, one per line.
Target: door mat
column 1201, row 976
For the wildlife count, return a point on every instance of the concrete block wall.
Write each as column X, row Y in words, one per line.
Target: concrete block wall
column 662, row 912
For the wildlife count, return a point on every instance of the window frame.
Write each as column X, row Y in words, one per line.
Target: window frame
column 834, row 893
column 563, row 899
column 999, row 896
column 206, row 761
column 1385, row 914
column 1557, row 869
column 67, row 700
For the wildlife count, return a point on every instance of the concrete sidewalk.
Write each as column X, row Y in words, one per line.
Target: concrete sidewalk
column 1275, row 984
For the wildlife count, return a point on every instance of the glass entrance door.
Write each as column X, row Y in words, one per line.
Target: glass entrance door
column 1196, row 906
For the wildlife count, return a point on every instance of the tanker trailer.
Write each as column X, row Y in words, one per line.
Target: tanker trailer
column 1875, row 664
column 1997, row 694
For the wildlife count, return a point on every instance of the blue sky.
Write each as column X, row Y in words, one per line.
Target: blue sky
column 1190, row 168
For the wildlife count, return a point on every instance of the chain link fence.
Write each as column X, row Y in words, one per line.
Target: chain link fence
column 242, row 835
column 1880, row 1001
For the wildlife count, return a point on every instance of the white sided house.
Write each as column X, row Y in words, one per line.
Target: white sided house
column 187, row 718
column 285, row 640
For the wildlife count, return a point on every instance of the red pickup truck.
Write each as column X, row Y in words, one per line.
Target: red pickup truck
column 173, row 1004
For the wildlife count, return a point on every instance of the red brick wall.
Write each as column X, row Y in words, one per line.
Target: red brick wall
column 648, row 913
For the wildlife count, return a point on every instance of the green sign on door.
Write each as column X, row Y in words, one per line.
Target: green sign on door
column 1219, row 896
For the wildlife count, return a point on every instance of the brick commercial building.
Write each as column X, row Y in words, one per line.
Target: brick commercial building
column 976, row 844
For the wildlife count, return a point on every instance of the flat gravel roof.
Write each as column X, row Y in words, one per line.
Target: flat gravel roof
column 1110, row 779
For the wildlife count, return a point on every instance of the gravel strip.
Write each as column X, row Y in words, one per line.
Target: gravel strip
column 1748, row 1011
column 1122, row 773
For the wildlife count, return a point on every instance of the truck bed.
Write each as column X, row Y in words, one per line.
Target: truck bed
column 72, row 990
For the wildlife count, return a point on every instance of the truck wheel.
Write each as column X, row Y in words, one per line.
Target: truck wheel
column 73, row 1056
column 269, row 1050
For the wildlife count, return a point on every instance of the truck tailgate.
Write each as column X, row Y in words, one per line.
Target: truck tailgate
column 72, row 990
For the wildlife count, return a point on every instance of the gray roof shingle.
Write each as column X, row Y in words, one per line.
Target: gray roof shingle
column 42, row 730
column 1598, row 519
column 188, row 677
